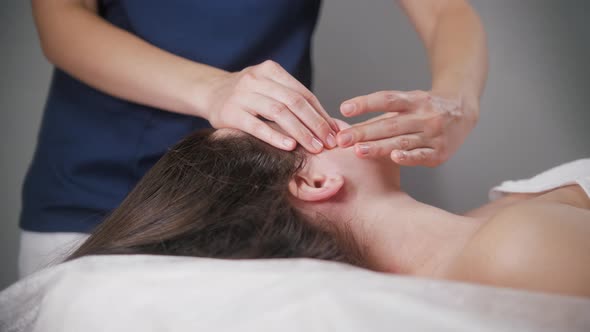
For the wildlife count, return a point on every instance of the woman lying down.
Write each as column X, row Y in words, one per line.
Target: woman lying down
column 225, row 194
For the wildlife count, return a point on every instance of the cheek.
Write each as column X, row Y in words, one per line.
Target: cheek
column 366, row 167
column 342, row 159
column 345, row 162
column 367, row 172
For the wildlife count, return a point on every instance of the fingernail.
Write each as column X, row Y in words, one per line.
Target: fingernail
column 345, row 139
column 316, row 143
column 335, row 126
column 363, row 148
column 347, row 108
column 331, row 141
column 399, row 155
column 288, row 143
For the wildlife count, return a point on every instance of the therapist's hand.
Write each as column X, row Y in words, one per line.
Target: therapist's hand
column 239, row 100
column 418, row 128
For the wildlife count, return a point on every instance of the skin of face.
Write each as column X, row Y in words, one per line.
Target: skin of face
column 369, row 176
column 337, row 184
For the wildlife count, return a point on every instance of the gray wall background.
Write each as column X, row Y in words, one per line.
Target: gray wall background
column 534, row 114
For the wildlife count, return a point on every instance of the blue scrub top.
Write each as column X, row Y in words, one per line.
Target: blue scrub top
column 93, row 148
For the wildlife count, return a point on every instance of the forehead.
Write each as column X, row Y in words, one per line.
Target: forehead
column 225, row 132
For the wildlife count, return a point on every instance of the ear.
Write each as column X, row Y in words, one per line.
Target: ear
column 314, row 188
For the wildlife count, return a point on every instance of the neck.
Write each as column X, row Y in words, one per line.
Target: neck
column 409, row 237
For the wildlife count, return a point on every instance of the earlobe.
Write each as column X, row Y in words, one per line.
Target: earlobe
column 313, row 189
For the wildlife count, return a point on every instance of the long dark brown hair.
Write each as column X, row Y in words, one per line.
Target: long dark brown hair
column 220, row 196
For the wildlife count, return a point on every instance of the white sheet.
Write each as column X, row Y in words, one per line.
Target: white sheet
column 156, row 293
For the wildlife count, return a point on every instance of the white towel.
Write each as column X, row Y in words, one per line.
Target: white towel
column 575, row 172
column 161, row 293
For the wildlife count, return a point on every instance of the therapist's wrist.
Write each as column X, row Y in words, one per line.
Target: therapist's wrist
column 471, row 106
column 201, row 85
column 463, row 92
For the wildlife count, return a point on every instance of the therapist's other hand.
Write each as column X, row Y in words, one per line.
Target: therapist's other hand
column 418, row 128
column 239, row 100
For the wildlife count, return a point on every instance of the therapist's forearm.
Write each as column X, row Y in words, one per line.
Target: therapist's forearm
column 456, row 43
column 458, row 53
column 78, row 41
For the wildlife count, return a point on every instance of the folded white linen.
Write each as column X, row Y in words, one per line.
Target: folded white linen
column 159, row 293
column 574, row 172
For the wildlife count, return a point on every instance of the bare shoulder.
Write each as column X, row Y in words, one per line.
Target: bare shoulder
column 571, row 195
column 540, row 244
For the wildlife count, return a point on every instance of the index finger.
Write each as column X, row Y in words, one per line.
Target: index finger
column 382, row 101
column 377, row 118
column 250, row 124
column 281, row 76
